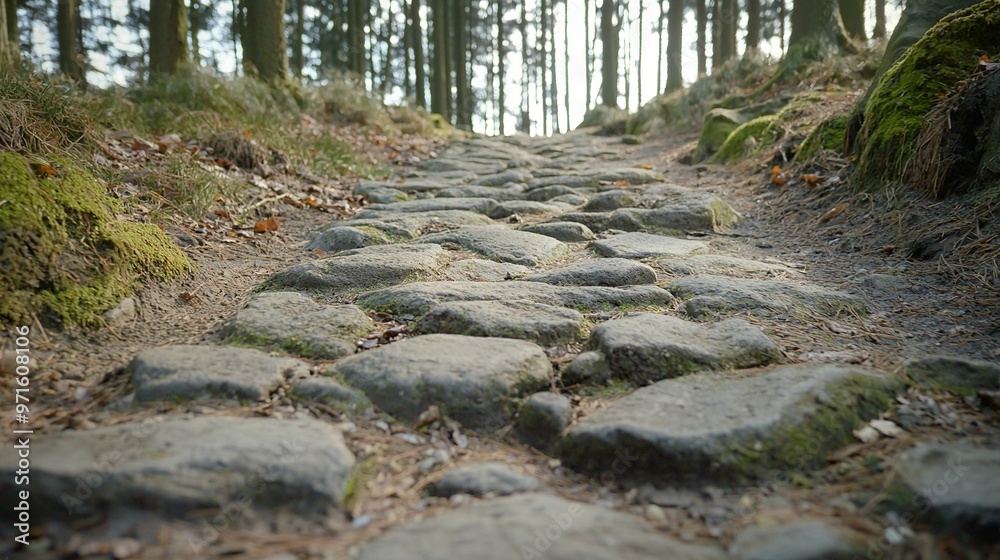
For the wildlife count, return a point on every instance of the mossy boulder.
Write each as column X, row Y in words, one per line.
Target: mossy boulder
column 65, row 256
column 900, row 101
column 719, row 124
column 829, row 135
column 605, row 116
column 748, row 138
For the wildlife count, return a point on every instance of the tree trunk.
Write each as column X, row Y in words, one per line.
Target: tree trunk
column 728, row 19
column 609, row 56
column 675, row 44
column 701, row 17
column 589, row 52
column 853, row 14
column 554, row 72
column 167, row 36
column 440, row 93
column 9, row 35
column 463, row 109
column 543, row 64
column 638, row 65
column 265, row 50
column 524, row 125
column 298, row 48
column 566, row 61
column 71, row 60
column 356, row 37
column 390, row 32
column 879, row 31
column 195, row 24
column 659, row 47
column 817, row 22
column 420, row 75
column 753, row 25
column 501, row 67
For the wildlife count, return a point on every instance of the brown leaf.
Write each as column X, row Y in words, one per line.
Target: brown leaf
column 43, row 169
column 646, row 167
column 429, row 416
column 621, row 183
column 778, row 176
column 269, row 224
column 224, row 163
column 834, row 212
column 812, row 179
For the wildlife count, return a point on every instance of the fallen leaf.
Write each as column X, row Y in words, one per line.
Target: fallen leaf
column 621, row 183
column 269, row 224
column 247, row 133
column 778, row 176
column 833, row 212
column 887, row 428
column 646, row 167
column 812, row 179
column 429, row 416
column 867, row 434
column 224, row 163
column 43, row 169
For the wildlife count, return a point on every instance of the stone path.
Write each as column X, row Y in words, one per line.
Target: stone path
column 524, row 277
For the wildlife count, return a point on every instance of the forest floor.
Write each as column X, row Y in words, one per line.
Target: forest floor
column 718, row 388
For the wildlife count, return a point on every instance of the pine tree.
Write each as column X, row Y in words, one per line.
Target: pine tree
column 168, row 49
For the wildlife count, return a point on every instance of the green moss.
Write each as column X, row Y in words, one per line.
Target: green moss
column 64, row 254
column 829, row 135
column 947, row 54
column 748, row 138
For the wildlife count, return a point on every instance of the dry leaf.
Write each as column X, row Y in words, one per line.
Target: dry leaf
column 224, row 163
column 812, row 179
column 778, row 176
column 867, row 434
column 43, row 169
column 621, row 183
column 887, row 428
column 429, row 416
column 833, row 212
column 269, row 224
column 247, row 134
column 646, row 167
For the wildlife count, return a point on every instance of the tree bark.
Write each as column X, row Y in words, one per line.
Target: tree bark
column 853, row 14
column 71, row 60
column 265, row 50
column 167, row 36
column 463, row 109
column 880, row 30
column 638, row 65
column 566, row 61
column 390, row 32
column 753, row 25
column 524, row 124
column 9, row 35
column 589, row 51
column 543, row 64
column 195, row 24
column 440, row 93
column 817, row 22
column 501, row 67
column 659, row 47
column 554, row 72
column 298, row 48
column 701, row 17
column 675, row 43
column 728, row 18
column 419, row 73
column 609, row 57
column 356, row 37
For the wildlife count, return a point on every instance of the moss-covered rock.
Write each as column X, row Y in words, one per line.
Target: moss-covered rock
column 64, row 254
column 748, row 138
column 901, row 99
column 605, row 116
column 829, row 135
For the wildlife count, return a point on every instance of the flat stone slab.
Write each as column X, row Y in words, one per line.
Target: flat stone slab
column 526, row 320
column 476, row 191
column 525, row 208
column 474, row 380
column 706, row 294
column 543, row 194
column 954, row 488
column 719, row 264
column 571, row 181
column 504, row 177
column 641, row 245
column 484, row 478
column 631, row 175
column 177, row 465
column 340, row 239
column 567, row 232
column 329, row 391
column 532, row 526
column 403, row 227
column 480, row 270
column 691, row 213
column 480, row 205
column 802, row 540
column 953, row 373
column 189, row 372
column 365, row 268
column 542, row 419
column 503, row 244
column 598, row 272
column 296, row 324
column 418, row 298
column 649, row 347
column 730, row 428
